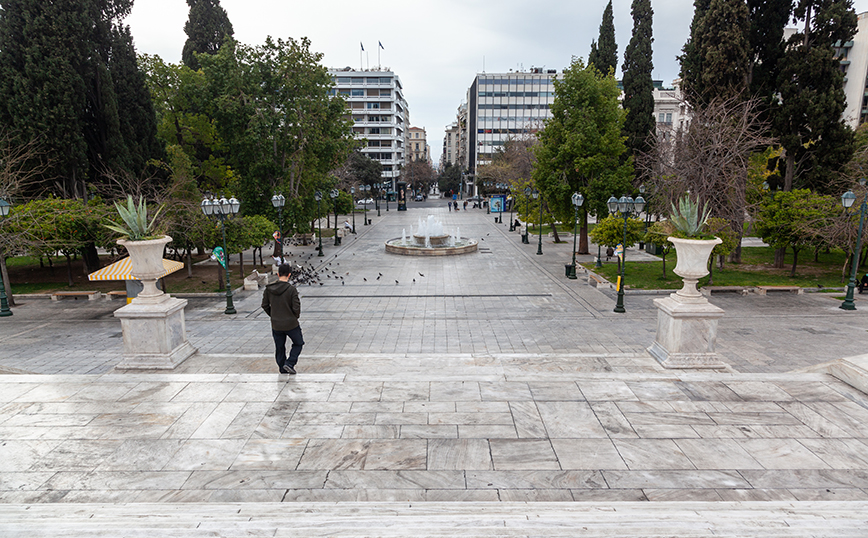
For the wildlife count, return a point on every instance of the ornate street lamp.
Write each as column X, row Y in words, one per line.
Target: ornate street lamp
column 487, row 185
column 318, row 196
column 366, row 189
column 4, row 300
column 539, row 247
column 625, row 206
column 524, row 237
column 387, row 197
column 577, row 200
column 278, row 201
column 377, row 193
column 334, row 196
column 847, row 200
column 642, row 241
column 221, row 210
column 353, row 197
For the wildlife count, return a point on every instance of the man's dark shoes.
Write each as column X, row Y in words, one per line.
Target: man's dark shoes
column 288, row 370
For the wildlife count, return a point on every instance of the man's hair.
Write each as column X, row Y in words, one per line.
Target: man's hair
column 284, row 270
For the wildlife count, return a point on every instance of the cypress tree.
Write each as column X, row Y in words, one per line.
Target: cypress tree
column 692, row 58
column 768, row 18
column 138, row 121
column 206, row 29
column 604, row 51
column 639, row 124
column 807, row 116
column 726, row 30
column 57, row 85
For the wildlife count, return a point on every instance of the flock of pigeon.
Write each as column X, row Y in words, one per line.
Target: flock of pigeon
column 304, row 273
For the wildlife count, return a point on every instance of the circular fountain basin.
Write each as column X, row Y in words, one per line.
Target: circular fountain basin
column 439, row 246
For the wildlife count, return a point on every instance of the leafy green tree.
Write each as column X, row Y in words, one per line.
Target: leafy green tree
column 795, row 219
column 449, row 178
column 609, row 232
column 283, row 132
column 639, row 124
column 207, row 28
column 604, row 51
column 181, row 101
column 723, row 36
column 185, row 222
column 581, row 148
column 807, row 115
column 692, row 59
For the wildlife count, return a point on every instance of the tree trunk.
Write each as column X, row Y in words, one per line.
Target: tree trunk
column 189, row 260
column 795, row 260
column 816, row 254
column 789, row 172
column 663, row 255
column 241, row 262
column 583, row 234
column 779, row 257
column 69, row 270
column 710, row 271
column 6, row 282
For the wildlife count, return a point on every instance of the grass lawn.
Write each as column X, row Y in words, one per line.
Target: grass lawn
column 755, row 270
column 26, row 276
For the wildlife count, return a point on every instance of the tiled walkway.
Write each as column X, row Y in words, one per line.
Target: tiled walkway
column 494, row 383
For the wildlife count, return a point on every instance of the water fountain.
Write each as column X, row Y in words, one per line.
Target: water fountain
column 430, row 239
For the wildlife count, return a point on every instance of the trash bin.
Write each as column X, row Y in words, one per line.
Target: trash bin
column 567, row 268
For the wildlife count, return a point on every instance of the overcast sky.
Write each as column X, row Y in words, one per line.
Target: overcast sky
column 436, row 48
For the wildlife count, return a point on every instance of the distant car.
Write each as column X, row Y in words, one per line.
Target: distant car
column 365, row 201
column 420, row 198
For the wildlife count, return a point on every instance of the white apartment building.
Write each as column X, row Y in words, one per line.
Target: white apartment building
column 450, row 145
column 375, row 99
column 504, row 105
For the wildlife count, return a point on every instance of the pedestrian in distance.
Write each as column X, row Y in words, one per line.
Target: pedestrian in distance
column 450, row 205
column 280, row 301
column 465, row 205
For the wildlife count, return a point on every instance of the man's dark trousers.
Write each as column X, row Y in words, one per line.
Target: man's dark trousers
column 280, row 347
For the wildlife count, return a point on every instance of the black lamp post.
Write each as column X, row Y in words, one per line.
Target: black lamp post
column 353, row 197
column 487, row 185
column 318, row 196
column 539, row 247
column 847, row 200
column 377, row 199
column 278, row 201
column 334, row 197
column 366, row 189
column 642, row 241
column 511, row 206
column 577, row 200
column 4, row 300
column 625, row 205
column 387, row 197
column 524, row 237
column 221, row 210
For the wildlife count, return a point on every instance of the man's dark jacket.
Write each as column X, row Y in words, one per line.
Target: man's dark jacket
column 280, row 301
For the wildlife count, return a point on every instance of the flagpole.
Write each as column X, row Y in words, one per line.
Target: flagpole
column 361, row 50
column 379, row 65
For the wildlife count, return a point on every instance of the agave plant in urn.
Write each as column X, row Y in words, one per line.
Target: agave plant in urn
column 144, row 243
column 693, row 245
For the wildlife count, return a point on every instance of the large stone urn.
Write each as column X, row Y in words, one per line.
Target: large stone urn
column 153, row 324
column 686, row 321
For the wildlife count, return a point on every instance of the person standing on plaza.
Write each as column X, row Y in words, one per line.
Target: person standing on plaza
column 280, row 301
column 450, row 205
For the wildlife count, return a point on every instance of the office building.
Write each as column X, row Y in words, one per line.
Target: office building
column 417, row 145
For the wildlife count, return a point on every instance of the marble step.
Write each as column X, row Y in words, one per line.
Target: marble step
column 649, row 519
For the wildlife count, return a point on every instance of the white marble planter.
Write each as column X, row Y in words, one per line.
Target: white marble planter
column 686, row 321
column 155, row 335
column 692, row 263
column 146, row 258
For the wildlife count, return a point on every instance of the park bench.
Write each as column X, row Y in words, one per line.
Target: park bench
column 712, row 290
column 91, row 295
column 116, row 294
column 597, row 281
column 763, row 290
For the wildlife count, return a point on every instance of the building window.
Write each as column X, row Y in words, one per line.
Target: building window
column 372, row 106
column 374, row 130
column 357, row 93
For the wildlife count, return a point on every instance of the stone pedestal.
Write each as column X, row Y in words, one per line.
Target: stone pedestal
column 154, row 334
column 686, row 333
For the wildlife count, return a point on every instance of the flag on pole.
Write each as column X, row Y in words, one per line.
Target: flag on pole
column 361, row 45
column 381, row 45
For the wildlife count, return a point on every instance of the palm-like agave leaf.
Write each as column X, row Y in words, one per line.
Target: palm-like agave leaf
column 135, row 219
column 688, row 218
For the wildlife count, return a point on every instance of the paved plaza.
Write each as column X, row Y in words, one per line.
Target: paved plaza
column 478, row 395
